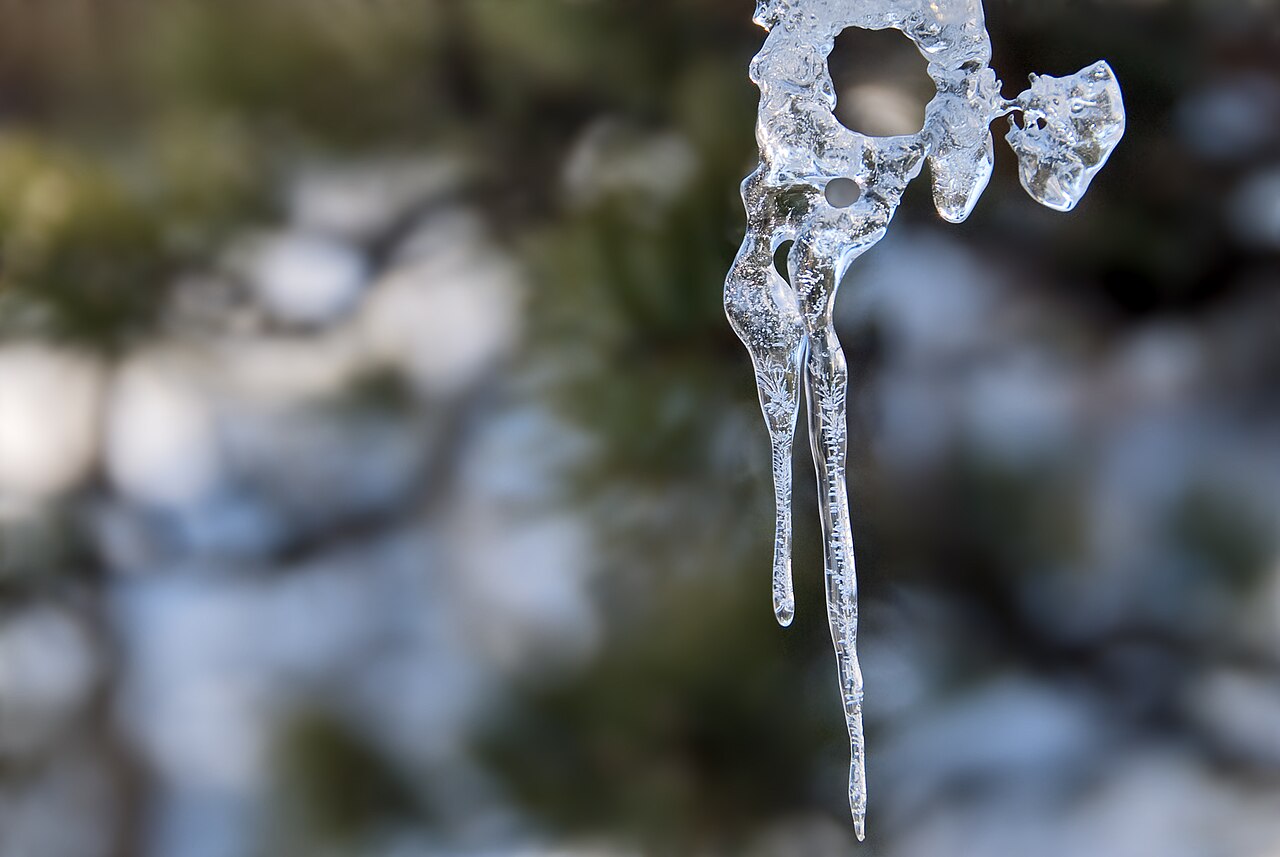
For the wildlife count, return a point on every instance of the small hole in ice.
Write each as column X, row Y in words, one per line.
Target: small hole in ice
column 780, row 259
column 1027, row 122
column 842, row 192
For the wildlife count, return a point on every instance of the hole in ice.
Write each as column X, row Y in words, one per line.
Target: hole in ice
column 1027, row 123
column 882, row 82
column 842, row 193
column 780, row 259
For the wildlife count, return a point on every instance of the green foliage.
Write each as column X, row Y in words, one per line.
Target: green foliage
column 1224, row 535
column 661, row 739
column 75, row 241
column 335, row 789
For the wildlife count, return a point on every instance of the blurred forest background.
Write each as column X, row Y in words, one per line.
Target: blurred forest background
column 380, row 478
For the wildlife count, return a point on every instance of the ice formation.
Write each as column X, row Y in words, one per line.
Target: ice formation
column 801, row 193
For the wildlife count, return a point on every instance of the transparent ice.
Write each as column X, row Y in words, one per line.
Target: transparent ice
column 801, row 193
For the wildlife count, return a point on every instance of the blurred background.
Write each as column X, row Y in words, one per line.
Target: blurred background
column 380, row 478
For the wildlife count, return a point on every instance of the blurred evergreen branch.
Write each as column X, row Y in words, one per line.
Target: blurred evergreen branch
column 672, row 736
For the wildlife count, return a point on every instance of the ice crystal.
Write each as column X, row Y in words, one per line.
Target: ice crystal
column 800, row 194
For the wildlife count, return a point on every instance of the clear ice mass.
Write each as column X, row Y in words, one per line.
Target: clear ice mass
column 800, row 193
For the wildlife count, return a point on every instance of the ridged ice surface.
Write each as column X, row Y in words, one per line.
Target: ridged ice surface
column 1070, row 126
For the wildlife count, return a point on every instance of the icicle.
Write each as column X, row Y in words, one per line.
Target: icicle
column 1070, row 128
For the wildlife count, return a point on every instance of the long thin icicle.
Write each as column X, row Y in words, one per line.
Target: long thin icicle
column 801, row 193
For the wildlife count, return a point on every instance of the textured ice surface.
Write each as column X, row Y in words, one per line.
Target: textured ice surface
column 1070, row 126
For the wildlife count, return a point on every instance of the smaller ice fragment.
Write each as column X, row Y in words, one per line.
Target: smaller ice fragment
column 1070, row 127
